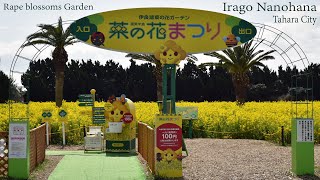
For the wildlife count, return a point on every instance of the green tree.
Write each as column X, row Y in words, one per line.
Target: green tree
column 57, row 37
column 238, row 61
column 157, row 71
column 4, row 87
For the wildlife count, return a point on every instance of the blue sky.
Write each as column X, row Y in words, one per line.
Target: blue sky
column 16, row 26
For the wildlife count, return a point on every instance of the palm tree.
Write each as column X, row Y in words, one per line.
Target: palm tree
column 238, row 61
column 57, row 37
column 157, row 71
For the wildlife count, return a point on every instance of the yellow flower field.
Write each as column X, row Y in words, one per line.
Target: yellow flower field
column 255, row 120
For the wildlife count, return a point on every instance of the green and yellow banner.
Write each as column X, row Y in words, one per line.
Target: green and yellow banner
column 145, row 30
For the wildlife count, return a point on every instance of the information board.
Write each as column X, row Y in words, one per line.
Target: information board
column 187, row 112
column 18, row 140
column 85, row 100
column 93, row 143
column 305, row 131
column 98, row 115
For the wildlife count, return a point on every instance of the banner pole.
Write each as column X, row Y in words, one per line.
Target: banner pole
column 47, row 132
column 63, row 135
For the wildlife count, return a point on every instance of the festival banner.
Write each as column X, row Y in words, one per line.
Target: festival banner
column 144, row 30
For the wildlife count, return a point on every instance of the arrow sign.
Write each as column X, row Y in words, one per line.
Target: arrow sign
column 85, row 96
column 98, row 115
column 85, row 104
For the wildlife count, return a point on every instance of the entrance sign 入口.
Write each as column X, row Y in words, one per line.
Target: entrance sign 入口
column 144, row 30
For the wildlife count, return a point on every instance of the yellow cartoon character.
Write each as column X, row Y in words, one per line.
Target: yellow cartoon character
column 116, row 113
column 170, row 53
column 169, row 155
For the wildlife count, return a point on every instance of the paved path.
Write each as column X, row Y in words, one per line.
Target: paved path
column 77, row 165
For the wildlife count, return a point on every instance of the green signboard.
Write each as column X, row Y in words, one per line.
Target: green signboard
column 98, row 115
column 63, row 115
column 187, row 112
column 302, row 144
column 46, row 115
column 85, row 100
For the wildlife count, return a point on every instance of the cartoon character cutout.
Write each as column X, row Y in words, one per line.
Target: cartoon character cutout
column 168, row 156
column 117, row 110
column 231, row 40
column 170, row 53
column 97, row 38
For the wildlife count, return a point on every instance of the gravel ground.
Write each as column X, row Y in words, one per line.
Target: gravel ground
column 239, row 159
column 220, row 159
column 44, row 170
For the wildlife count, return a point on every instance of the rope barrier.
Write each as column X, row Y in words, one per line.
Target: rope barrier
column 219, row 132
column 58, row 132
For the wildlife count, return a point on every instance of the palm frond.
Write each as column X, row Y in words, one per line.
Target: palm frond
column 191, row 58
column 52, row 35
column 142, row 57
column 35, row 42
column 209, row 64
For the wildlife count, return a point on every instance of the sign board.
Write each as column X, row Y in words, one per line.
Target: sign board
column 114, row 127
column 18, row 140
column 127, row 118
column 98, row 115
column 168, row 150
column 62, row 114
column 46, row 115
column 93, row 143
column 85, row 100
column 305, row 130
column 145, row 30
column 19, row 156
column 187, row 112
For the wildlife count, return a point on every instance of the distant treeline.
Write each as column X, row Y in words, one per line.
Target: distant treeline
column 139, row 84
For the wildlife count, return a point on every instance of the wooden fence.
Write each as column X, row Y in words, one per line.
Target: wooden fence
column 37, row 149
column 146, row 144
column 37, row 146
column 4, row 156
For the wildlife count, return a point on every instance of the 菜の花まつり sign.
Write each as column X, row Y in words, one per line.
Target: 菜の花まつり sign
column 145, row 30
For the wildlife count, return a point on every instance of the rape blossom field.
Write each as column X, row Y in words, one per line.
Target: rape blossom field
column 254, row 120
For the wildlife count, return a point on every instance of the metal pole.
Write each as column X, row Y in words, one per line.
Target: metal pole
column 84, row 131
column 47, row 132
column 190, row 128
column 282, row 135
column 173, row 88
column 164, row 89
column 63, row 135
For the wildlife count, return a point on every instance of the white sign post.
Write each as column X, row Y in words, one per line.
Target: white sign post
column 63, row 118
column 46, row 117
